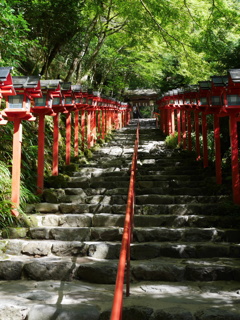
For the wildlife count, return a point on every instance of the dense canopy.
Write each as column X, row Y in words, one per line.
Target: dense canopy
column 112, row 45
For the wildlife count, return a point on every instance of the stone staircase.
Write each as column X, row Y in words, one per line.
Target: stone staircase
column 185, row 255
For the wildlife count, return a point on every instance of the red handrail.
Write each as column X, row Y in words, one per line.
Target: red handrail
column 124, row 259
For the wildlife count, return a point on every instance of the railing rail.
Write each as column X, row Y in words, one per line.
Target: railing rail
column 124, row 259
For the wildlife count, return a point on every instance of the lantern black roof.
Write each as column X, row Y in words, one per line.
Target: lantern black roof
column 4, row 72
column 175, row 91
column 180, row 90
column 25, row 82
column 191, row 88
column 65, row 85
column 49, row 84
column 76, row 87
column 96, row 93
column 234, row 74
column 220, row 81
column 205, row 85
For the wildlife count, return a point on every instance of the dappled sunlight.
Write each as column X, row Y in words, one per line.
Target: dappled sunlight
column 188, row 294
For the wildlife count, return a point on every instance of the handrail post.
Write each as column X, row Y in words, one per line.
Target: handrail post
column 124, row 259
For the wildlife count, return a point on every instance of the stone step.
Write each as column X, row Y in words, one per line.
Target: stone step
column 93, row 183
column 147, row 234
column 179, row 199
column 111, row 250
column 205, row 209
column 185, row 254
column 110, row 220
column 143, row 188
column 148, row 300
column 92, row 171
column 104, row 271
column 105, row 183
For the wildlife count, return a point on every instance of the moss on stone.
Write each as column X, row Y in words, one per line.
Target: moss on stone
column 60, row 181
column 70, row 169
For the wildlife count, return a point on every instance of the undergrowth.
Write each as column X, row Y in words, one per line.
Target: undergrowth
column 171, row 141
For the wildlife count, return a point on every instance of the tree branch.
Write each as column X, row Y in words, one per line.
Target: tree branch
column 185, row 4
column 160, row 27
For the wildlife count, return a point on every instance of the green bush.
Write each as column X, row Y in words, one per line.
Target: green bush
column 172, row 141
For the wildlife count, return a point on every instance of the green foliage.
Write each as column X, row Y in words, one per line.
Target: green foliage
column 6, row 218
column 171, row 141
column 114, row 44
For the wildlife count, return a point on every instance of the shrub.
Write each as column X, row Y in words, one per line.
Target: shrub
column 172, row 141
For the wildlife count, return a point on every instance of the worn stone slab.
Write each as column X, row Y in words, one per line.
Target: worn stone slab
column 104, row 220
column 70, row 234
column 10, row 270
column 157, row 271
column 157, row 234
column 97, row 272
column 73, row 248
column 106, row 234
column 36, row 248
column 98, row 199
column 103, row 250
column 45, row 207
column 177, row 313
column 66, row 312
column 218, row 314
column 13, row 312
column 74, row 208
column 50, row 269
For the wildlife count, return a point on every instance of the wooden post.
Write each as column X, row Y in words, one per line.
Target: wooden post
column 83, row 129
column 189, row 127
column 89, row 129
column 205, row 144
column 179, row 125
column 68, row 137
column 104, row 125
column 16, row 165
column 184, row 129
column 55, row 144
column 234, row 158
column 41, row 144
column 196, row 120
column 76, row 133
column 218, row 160
column 172, row 121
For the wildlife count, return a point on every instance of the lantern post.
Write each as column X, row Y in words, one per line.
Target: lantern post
column 96, row 109
column 103, row 107
column 219, row 84
column 84, row 106
column 69, row 105
column 232, row 106
column 171, row 118
column 57, row 106
column 191, row 106
column 99, row 118
column 18, row 109
column 43, row 106
column 77, row 98
column 179, row 104
column 90, row 120
column 203, row 104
